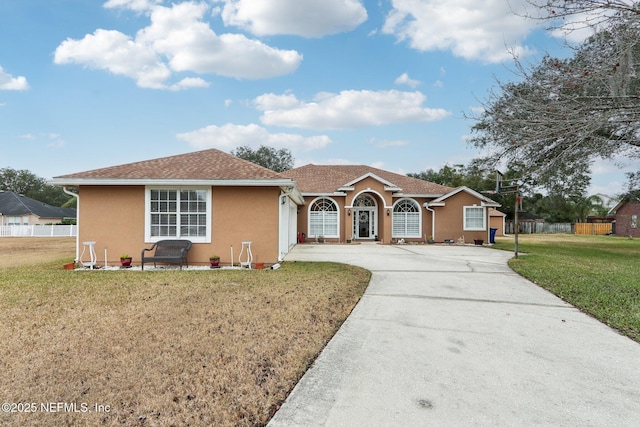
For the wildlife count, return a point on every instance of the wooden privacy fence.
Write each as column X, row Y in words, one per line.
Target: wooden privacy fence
column 529, row 227
column 593, row 228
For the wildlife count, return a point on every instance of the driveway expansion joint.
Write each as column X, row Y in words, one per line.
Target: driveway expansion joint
column 489, row 301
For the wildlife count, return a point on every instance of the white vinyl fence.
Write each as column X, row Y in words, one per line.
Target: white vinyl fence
column 38, row 231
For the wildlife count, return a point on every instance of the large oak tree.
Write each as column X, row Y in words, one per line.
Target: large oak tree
column 562, row 114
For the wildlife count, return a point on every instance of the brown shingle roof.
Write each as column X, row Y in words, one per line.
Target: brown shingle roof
column 327, row 179
column 207, row 165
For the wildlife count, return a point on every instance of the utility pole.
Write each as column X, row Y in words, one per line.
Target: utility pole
column 515, row 222
column 511, row 189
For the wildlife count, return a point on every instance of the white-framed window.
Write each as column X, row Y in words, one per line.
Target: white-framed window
column 406, row 220
column 323, row 218
column 475, row 218
column 178, row 213
column 17, row 220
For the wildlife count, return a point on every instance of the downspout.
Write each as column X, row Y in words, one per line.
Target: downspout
column 433, row 221
column 77, row 196
column 488, row 223
column 285, row 194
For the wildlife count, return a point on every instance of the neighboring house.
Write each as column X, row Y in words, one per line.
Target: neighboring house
column 627, row 212
column 16, row 209
column 210, row 197
column 361, row 203
column 497, row 220
column 218, row 201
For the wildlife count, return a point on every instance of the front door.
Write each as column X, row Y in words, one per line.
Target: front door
column 364, row 224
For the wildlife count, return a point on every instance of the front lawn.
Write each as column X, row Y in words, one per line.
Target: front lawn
column 598, row 274
column 163, row 348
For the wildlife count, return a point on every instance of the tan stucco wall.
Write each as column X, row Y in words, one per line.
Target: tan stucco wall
column 375, row 189
column 497, row 222
column 34, row 220
column 244, row 214
column 370, row 186
column 113, row 217
column 30, row 219
column 384, row 220
column 450, row 219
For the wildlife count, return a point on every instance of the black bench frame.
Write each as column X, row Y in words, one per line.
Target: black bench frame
column 168, row 251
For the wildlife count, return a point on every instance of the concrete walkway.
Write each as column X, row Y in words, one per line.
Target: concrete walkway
column 450, row 336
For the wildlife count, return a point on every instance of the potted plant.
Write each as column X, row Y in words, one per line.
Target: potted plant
column 214, row 260
column 321, row 239
column 125, row 260
column 430, row 240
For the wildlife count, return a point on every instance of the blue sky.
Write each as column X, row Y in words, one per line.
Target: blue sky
column 89, row 84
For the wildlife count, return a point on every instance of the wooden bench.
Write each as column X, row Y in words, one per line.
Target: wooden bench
column 168, row 252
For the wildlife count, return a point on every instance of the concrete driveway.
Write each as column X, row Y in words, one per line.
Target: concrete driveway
column 450, row 336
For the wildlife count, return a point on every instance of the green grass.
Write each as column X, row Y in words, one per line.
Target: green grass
column 165, row 347
column 598, row 274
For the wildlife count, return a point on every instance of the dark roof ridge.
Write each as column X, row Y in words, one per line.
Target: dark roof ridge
column 310, row 181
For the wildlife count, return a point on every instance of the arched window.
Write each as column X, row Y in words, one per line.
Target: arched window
column 323, row 218
column 406, row 220
column 364, row 201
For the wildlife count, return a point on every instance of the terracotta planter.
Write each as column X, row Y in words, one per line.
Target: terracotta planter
column 259, row 265
column 70, row 266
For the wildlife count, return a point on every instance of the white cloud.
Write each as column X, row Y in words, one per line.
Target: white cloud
column 189, row 82
column 473, row 30
column 476, row 110
column 578, row 27
column 336, row 161
column 177, row 40
column 58, row 143
column 386, row 143
column 137, row 5
column 404, row 79
column 52, row 140
column 616, row 165
column 8, row 82
column 294, row 17
column 347, row 110
column 230, row 136
column 115, row 52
